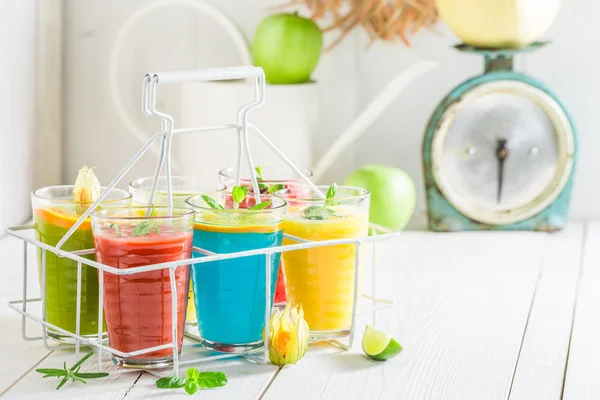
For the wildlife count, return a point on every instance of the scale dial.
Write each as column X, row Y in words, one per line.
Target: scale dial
column 503, row 152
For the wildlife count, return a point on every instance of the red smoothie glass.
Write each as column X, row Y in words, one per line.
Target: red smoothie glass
column 138, row 307
column 273, row 179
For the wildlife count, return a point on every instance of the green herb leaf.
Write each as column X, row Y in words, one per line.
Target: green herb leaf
column 276, row 188
column 331, row 192
column 82, row 360
column 144, row 228
column 191, row 387
column 51, row 371
column 116, row 228
column 212, row 203
column 54, row 375
column 62, row 383
column 238, row 194
column 322, row 212
column 192, row 373
column 258, row 170
column 77, row 379
column 152, row 210
column 170, row 382
column 91, row 375
column 259, row 175
column 260, row 206
column 193, row 381
column 319, row 213
column 210, row 380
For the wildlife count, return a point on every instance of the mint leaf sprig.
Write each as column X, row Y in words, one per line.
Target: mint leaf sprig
column 144, row 228
column 212, row 203
column 259, row 175
column 271, row 189
column 141, row 229
column 319, row 213
column 117, row 229
column 238, row 195
column 71, row 373
column 194, row 380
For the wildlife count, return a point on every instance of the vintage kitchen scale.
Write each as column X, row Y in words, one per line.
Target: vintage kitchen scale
column 499, row 152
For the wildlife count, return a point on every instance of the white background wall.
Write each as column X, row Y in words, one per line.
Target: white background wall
column 349, row 77
column 17, row 109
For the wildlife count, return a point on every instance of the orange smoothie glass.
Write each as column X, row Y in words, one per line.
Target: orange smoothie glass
column 54, row 213
column 322, row 278
column 183, row 188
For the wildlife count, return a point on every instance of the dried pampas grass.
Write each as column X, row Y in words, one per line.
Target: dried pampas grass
column 382, row 19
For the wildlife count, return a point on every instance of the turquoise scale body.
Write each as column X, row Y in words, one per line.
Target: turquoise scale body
column 442, row 215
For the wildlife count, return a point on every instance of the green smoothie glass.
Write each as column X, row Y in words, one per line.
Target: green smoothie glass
column 54, row 213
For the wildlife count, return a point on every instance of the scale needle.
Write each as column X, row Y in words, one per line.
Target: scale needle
column 501, row 155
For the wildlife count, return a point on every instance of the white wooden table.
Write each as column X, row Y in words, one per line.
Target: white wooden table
column 481, row 316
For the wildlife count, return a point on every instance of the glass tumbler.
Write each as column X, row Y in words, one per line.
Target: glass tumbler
column 230, row 294
column 322, row 278
column 54, row 213
column 138, row 306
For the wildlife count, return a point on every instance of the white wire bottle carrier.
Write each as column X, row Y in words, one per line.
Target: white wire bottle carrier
column 165, row 135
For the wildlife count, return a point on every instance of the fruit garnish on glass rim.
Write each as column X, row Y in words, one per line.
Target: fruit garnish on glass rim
column 86, row 189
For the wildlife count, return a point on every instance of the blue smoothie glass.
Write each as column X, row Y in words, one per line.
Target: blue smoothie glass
column 230, row 294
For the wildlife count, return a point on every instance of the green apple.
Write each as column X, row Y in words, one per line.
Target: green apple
column 287, row 47
column 393, row 194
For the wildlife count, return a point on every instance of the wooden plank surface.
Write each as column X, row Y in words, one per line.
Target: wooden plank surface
column 462, row 305
column 541, row 367
column 582, row 381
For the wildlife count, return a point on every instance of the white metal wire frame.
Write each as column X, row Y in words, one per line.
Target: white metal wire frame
column 165, row 135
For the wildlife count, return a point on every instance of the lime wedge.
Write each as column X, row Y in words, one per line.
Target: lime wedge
column 378, row 345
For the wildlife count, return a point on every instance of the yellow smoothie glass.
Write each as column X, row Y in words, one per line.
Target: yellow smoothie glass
column 322, row 278
column 183, row 188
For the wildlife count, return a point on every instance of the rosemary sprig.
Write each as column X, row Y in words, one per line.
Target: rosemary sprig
column 71, row 373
